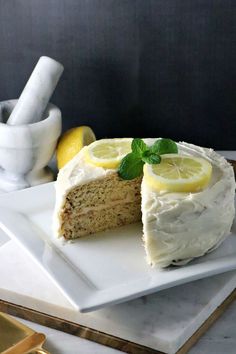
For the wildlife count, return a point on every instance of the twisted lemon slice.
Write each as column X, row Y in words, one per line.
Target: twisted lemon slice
column 108, row 153
column 178, row 173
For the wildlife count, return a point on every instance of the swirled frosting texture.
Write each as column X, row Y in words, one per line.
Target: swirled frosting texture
column 180, row 226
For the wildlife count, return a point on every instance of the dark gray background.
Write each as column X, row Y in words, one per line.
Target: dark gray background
column 132, row 67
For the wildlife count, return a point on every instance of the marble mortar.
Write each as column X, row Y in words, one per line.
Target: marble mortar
column 26, row 149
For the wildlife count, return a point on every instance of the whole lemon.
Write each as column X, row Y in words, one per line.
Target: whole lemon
column 71, row 142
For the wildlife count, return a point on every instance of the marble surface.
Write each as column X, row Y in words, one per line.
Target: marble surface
column 163, row 320
column 220, row 338
column 26, row 149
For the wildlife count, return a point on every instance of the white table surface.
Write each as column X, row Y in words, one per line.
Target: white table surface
column 219, row 339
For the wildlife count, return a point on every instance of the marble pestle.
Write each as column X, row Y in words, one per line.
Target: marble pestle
column 37, row 92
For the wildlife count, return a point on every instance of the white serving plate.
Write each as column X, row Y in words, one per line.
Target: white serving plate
column 102, row 269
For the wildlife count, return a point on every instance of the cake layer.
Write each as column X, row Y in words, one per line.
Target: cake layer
column 112, row 216
column 102, row 191
column 99, row 205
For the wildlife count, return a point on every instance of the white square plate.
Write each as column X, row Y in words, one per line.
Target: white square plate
column 101, row 269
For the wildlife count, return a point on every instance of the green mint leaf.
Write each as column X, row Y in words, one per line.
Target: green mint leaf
column 164, row 146
column 131, row 167
column 152, row 159
column 138, row 146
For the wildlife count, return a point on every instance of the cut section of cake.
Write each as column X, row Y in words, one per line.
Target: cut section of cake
column 90, row 198
column 99, row 205
column 177, row 226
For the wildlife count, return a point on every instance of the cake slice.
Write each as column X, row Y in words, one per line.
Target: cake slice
column 90, row 198
column 177, row 227
column 103, row 204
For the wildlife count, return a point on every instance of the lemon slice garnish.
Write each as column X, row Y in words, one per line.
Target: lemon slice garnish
column 71, row 142
column 108, row 153
column 178, row 173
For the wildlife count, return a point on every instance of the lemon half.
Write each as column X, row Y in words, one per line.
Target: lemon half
column 71, row 142
column 178, row 173
column 108, row 153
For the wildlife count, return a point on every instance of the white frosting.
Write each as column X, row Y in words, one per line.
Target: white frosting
column 180, row 226
column 177, row 227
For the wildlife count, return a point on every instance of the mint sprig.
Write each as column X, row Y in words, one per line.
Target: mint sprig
column 138, row 147
column 131, row 165
column 151, row 157
column 164, row 146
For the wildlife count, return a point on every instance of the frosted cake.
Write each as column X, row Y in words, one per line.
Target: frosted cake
column 177, row 225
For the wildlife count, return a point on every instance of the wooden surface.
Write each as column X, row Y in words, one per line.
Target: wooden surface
column 104, row 338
